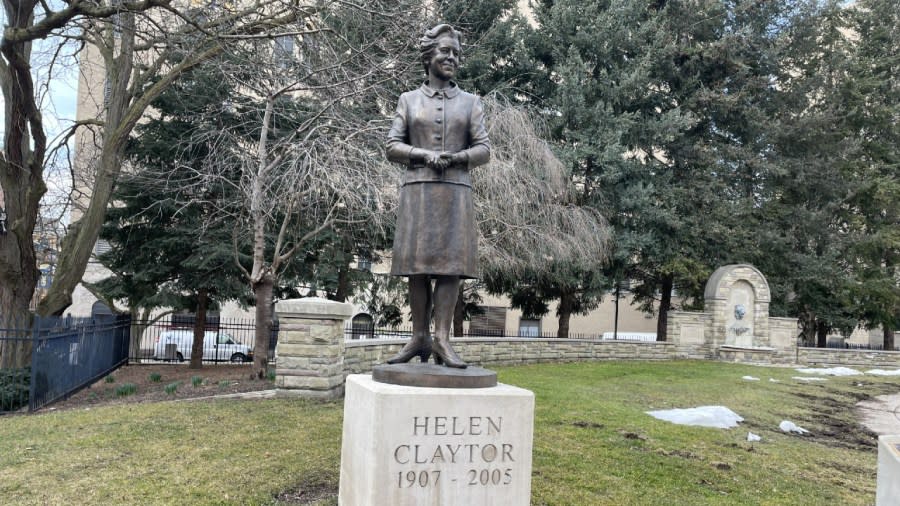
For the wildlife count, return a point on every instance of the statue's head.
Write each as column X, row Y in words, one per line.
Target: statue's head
column 429, row 42
column 739, row 311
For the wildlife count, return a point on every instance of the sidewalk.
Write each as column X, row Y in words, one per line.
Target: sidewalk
column 258, row 394
column 881, row 415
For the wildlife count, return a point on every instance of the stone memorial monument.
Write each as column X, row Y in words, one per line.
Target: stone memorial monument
column 735, row 324
column 442, row 433
column 737, row 297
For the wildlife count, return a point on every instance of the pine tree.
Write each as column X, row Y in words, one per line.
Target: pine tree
column 165, row 252
column 873, row 96
column 803, row 237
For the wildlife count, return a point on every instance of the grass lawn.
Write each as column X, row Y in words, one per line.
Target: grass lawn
column 593, row 443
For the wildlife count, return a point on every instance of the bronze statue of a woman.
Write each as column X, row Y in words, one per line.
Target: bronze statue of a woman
column 438, row 133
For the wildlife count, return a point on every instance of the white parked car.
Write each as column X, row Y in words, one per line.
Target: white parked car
column 219, row 346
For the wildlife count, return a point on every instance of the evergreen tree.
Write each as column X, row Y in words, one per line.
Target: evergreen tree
column 665, row 113
column 804, row 245
column 873, row 96
column 165, row 252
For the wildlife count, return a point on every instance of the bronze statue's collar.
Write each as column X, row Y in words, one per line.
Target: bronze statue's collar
column 450, row 91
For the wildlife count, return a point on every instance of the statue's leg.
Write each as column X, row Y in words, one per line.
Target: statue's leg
column 446, row 292
column 420, row 308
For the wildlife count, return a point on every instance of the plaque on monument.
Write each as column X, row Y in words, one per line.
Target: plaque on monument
column 407, row 445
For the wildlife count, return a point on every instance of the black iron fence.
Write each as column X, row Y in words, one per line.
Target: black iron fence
column 170, row 340
column 65, row 355
column 841, row 344
column 355, row 332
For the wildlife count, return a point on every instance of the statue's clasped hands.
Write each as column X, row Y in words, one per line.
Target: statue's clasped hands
column 440, row 161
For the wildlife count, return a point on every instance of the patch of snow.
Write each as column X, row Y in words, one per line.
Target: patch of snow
column 830, row 371
column 749, row 378
column 718, row 417
column 883, row 372
column 753, row 437
column 773, row 380
column 804, row 378
column 787, row 426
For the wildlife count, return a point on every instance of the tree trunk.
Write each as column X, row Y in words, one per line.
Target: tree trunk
column 78, row 245
column 459, row 312
column 888, row 332
column 343, row 284
column 22, row 186
column 16, row 290
column 122, row 114
column 263, row 292
column 807, row 326
column 18, row 279
column 15, row 346
column 199, row 329
column 566, row 303
column 821, row 335
column 665, row 303
column 616, row 315
column 138, row 326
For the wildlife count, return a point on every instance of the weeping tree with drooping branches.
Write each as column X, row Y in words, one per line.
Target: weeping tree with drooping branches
column 537, row 243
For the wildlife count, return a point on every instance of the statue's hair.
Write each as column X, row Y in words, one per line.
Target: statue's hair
column 428, row 42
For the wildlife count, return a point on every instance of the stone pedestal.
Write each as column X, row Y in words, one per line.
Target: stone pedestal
column 888, row 493
column 415, row 446
column 310, row 350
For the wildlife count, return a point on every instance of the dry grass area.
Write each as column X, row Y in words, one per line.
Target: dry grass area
column 214, row 380
column 593, row 440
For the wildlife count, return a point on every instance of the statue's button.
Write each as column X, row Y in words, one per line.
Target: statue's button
column 438, row 120
column 438, row 137
column 440, row 108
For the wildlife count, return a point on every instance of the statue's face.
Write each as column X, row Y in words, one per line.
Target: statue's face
column 445, row 58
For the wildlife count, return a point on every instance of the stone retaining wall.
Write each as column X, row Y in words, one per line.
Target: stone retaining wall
column 849, row 358
column 361, row 356
column 690, row 330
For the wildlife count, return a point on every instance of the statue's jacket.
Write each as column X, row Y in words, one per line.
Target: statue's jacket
column 435, row 232
column 450, row 120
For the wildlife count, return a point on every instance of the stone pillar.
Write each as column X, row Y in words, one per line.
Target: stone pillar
column 888, row 481
column 310, row 351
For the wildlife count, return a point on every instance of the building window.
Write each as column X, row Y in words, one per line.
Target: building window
column 364, row 263
column 529, row 327
column 362, row 327
column 186, row 320
column 284, row 50
column 490, row 321
column 100, row 310
column 102, row 246
column 46, row 278
column 107, row 91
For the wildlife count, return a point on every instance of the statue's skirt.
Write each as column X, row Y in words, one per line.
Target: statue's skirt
column 435, row 231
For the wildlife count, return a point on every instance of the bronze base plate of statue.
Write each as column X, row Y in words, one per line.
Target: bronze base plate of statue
column 435, row 376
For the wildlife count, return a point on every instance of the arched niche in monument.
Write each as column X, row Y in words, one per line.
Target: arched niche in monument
column 737, row 296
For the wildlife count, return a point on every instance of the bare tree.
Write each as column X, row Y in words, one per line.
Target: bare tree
column 25, row 148
column 307, row 156
column 142, row 54
column 528, row 216
column 142, row 46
